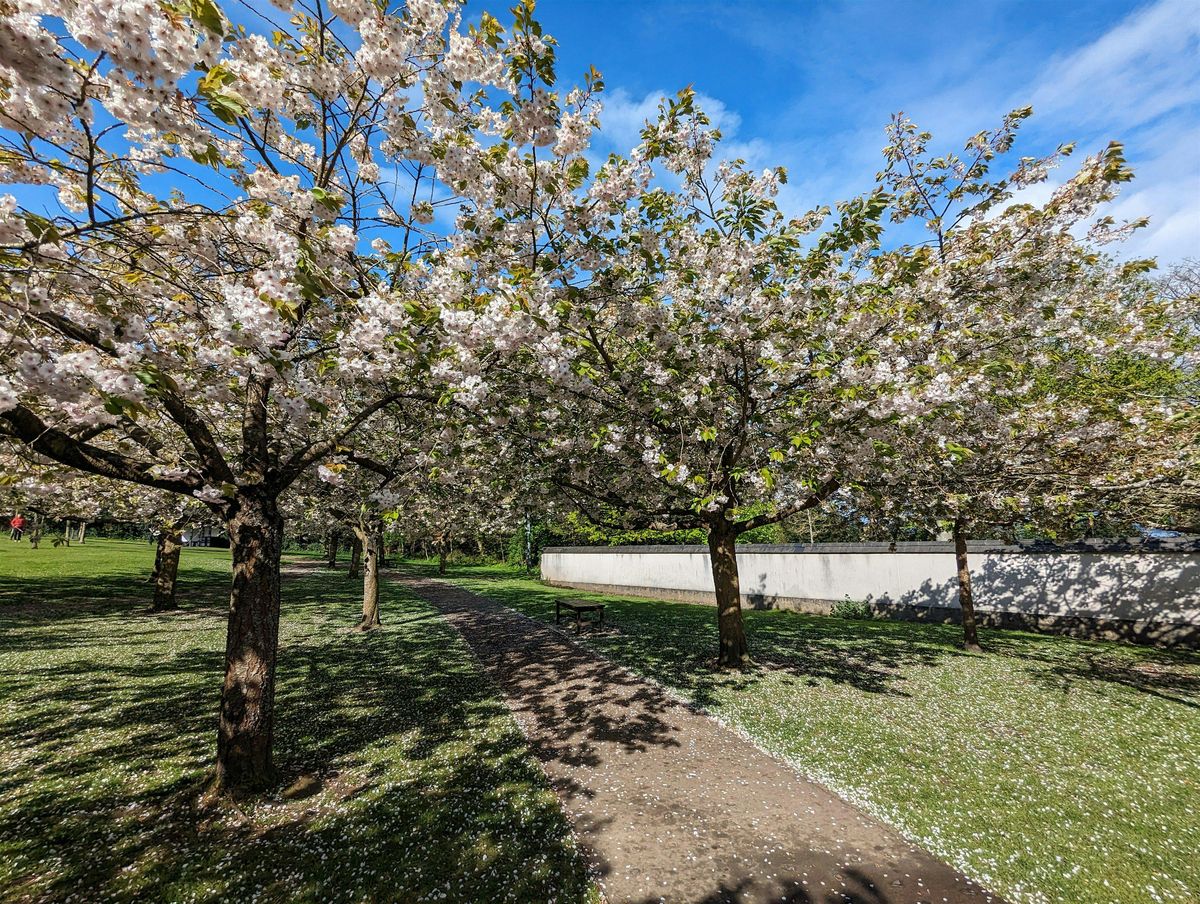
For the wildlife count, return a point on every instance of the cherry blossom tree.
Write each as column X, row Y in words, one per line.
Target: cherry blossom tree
column 49, row 493
column 46, row 488
column 1033, row 337
column 686, row 357
column 425, row 474
column 205, row 316
column 356, row 493
column 464, row 496
column 679, row 353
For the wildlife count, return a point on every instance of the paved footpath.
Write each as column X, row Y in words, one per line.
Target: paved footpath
column 668, row 804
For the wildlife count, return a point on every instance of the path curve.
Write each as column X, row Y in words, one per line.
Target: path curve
column 668, row 804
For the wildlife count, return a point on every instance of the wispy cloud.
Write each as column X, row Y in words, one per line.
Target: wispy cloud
column 1146, row 66
column 1140, row 83
column 840, row 73
column 625, row 116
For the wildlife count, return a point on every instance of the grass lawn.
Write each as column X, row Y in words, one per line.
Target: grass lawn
column 1053, row 770
column 405, row 777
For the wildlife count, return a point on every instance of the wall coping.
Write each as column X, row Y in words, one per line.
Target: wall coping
column 1130, row 545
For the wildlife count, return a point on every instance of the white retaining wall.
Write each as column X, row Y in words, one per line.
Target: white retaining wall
column 1147, row 583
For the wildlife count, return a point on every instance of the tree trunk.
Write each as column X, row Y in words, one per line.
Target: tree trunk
column 355, row 557
column 373, row 552
column 441, row 559
column 67, row 534
column 248, row 695
column 35, row 534
column 158, row 554
column 528, row 544
column 166, row 568
column 332, row 548
column 733, row 651
column 966, row 600
column 82, row 531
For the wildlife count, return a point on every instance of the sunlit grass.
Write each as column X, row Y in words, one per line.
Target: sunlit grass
column 405, row 779
column 1052, row 769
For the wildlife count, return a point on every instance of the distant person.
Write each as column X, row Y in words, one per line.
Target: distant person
column 18, row 527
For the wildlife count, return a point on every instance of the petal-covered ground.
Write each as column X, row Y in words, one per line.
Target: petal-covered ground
column 1050, row 769
column 670, row 805
column 406, row 778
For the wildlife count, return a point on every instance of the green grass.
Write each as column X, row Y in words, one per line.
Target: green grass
column 404, row 776
column 1052, row 769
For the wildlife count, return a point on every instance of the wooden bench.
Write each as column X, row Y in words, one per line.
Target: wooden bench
column 578, row 607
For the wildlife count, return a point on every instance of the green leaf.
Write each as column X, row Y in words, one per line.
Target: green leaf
column 227, row 105
column 208, row 157
column 43, row 230
column 207, row 14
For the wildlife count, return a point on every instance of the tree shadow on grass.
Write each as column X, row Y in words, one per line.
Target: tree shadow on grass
column 675, row 643
column 1064, row 664
column 405, row 775
column 30, row 607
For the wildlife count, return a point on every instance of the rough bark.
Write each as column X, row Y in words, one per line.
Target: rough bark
column 733, row 651
column 966, row 599
column 355, row 558
column 441, row 559
column 166, row 568
column 82, row 532
column 372, row 554
column 248, row 694
column 158, row 552
column 331, row 546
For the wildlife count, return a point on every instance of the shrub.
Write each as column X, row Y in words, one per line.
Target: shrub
column 854, row 609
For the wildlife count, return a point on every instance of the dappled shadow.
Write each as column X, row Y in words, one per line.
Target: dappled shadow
column 1139, row 591
column 408, row 778
column 859, row 888
column 1062, row 664
column 670, row 804
column 675, row 643
column 577, row 703
column 31, row 608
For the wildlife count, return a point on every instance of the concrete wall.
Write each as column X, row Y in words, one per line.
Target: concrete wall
column 1146, row 591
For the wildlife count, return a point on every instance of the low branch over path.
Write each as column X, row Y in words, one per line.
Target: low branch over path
column 670, row 805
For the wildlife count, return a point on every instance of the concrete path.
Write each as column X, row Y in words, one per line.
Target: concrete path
column 668, row 804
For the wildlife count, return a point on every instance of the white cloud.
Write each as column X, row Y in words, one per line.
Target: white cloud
column 624, row 116
column 1138, row 83
column 1147, row 65
column 1166, row 188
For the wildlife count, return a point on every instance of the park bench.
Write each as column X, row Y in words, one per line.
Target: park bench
column 578, row 607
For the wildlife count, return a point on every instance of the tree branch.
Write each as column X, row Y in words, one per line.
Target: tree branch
column 827, row 489
column 55, row 444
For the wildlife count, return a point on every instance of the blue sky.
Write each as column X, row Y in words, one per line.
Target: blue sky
column 810, row 85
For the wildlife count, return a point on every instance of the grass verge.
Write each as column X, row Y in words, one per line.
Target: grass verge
column 405, row 777
column 1052, row 769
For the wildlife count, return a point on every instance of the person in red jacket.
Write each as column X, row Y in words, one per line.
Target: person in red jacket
column 18, row 526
